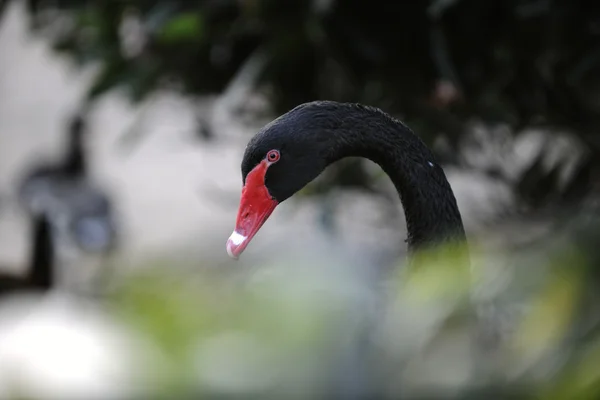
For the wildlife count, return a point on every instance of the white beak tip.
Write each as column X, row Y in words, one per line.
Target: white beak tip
column 235, row 241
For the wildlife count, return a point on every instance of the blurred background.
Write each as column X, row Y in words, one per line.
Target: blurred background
column 122, row 130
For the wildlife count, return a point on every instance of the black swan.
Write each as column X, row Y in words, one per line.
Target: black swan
column 295, row 148
column 73, row 166
column 40, row 271
column 81, row 213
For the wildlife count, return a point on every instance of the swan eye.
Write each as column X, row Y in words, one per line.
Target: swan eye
column 273, row 156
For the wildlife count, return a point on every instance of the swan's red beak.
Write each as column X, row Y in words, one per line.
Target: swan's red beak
column 256, row 205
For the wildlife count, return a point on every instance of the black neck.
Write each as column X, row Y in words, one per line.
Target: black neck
column 75, row 161
column 41, row 264
column 430, row 208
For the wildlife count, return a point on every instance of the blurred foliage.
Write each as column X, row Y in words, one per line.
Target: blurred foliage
column 511, row 325
column 438, row 331
column 533, row 61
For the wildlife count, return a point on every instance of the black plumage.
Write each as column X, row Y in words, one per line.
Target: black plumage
column 80, row 212
column 313, row 135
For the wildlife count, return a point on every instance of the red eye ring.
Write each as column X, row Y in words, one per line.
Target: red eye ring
column 273, row 156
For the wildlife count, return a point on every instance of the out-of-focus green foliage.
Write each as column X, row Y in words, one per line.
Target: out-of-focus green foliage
column 519, row 61
column 267, row 334
column 500, row 326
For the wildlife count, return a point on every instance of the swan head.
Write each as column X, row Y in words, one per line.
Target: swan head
column 279, row 160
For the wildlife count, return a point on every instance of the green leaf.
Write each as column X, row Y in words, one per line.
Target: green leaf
column 182, row 28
